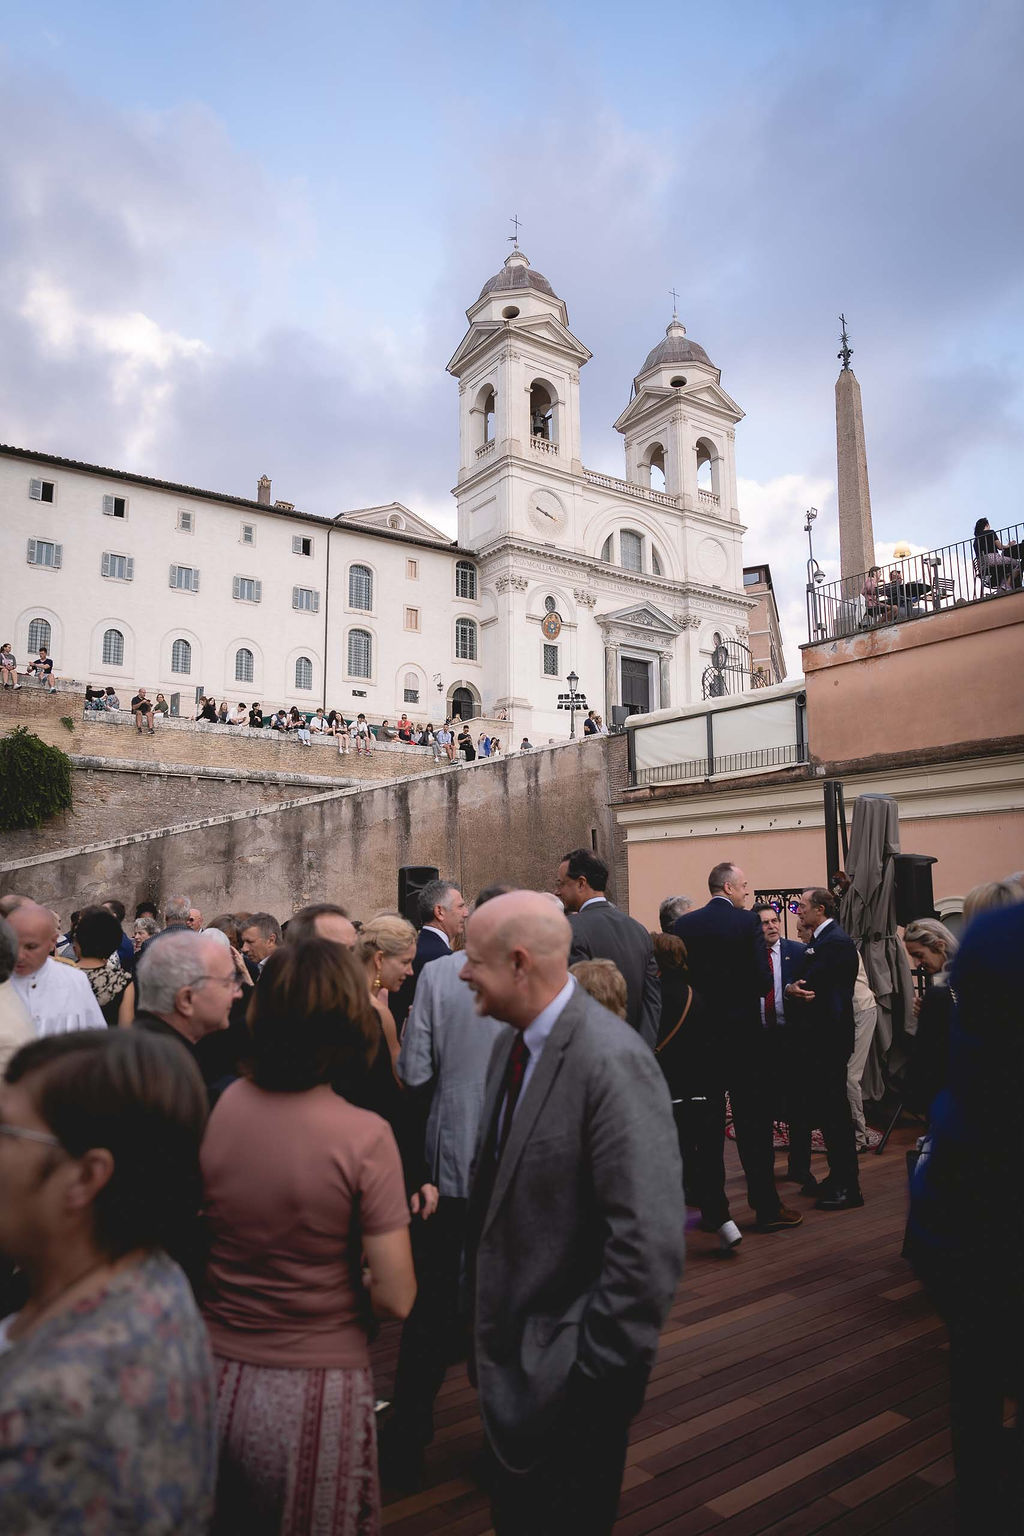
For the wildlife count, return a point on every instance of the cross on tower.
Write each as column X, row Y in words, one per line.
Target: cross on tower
column 846, row 351
column 514, row 239
column 675, row 300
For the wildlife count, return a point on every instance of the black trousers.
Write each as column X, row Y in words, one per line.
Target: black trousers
column 432, row 1337
column 700, row 1126
column 751, row 1100
column 575, row 1488
column 819, row 1098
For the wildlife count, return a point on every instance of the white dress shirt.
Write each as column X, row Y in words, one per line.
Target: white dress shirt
column 592, row 901
column 775, row 955
column 58, row 999
column 535, row 1038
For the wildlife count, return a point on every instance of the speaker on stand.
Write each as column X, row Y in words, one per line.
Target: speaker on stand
column 914, row 894
column 411, row 880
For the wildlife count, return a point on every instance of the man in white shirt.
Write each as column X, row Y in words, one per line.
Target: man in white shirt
column 15, row 1024
column 57, row 997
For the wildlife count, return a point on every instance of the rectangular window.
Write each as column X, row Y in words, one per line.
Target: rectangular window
column 412, row 570
column 248, row 534
column 246, row 589
column 186, row 520
column 412, row 618
column 115, row 506
column 301, row 545
column 41, row 490
column 43, row 552
column 305, row 599
column 411, row 696
column 117, row 567
column 184, row 578
column 551, row 661
column 631, row 550
column 751, row 578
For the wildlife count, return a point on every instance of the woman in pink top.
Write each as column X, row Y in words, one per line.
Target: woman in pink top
column 308, row 1226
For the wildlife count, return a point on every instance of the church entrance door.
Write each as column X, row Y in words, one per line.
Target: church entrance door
column 636, row 685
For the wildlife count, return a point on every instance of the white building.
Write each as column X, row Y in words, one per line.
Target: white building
column 131, row 580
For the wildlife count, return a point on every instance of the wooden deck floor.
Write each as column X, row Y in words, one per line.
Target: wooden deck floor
column 800, row 1387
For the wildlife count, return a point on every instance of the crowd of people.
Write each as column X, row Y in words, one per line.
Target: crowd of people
column 228, row 1148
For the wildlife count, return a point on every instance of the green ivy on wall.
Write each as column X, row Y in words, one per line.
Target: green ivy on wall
column 35, row 781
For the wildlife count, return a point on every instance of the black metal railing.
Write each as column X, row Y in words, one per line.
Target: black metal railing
column 918, row 585
column 734, row 762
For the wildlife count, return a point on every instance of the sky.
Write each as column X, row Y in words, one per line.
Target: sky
column 240, row 239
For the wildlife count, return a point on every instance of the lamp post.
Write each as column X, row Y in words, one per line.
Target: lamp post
column 572, row 701
column 815, row 577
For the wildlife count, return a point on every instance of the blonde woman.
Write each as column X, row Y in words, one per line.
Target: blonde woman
column 932, row 949
column 386, row 947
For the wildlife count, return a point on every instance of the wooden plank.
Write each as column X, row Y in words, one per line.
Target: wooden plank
column 788, row 1472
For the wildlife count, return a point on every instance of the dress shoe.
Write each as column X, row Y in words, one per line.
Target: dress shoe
column 780, row 1221
column 729, row 1237
column 841, row 1199
column 811, row 1186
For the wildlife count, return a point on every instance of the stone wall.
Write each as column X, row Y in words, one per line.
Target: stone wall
column 486, row 821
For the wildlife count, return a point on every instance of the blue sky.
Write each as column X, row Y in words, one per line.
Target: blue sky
column 237, row 239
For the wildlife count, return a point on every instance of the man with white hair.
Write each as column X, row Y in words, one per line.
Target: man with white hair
column 195, row 919
column 575, row 1226
column 15, row 1024
column 177, row 912
column 57, row 997
column 185, row 985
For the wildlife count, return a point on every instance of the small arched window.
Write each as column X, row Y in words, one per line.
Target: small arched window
column 360, row 653
column 656, row 467
column 360, row 587
column 487, row 406
column 244, row 669
column 181, row 657
column 542, row 412
column 411, row 689
column 303, row 674
column 465, row 579
column 656, row 569
column 631, row 550
column 465, row 640
column 606, row 548
column 39, row 634
column 113, row 648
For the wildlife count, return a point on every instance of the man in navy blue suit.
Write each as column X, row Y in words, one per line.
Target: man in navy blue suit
column 731, row 971
column 443, row 915
column 821, row 1009
column 785, row 956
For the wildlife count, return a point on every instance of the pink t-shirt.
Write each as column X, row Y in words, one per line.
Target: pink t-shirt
column 293, row 1181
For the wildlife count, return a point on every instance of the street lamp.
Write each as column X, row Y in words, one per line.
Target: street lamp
column 572, row 701
column 815, row 577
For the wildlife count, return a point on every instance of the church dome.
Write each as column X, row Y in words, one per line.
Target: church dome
column 676, row 348
column 516, row 274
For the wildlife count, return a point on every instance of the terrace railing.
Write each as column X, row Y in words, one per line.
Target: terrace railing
column 918, row 585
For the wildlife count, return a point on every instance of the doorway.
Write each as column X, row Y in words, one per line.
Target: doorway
column 636, row 685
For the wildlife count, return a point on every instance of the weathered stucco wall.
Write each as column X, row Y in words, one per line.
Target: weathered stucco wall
column 508, row 820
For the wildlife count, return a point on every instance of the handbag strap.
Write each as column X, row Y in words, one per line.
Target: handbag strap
column 672, row 1033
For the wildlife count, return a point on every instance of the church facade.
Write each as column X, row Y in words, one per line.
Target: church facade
column 635, row 584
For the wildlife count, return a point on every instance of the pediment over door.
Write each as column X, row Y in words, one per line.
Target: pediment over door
column 642, row 622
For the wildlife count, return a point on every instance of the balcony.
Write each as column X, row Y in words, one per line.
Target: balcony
column 708, row 499
column 722, row 739
column 627, row 488
column 542, row 444
column 953, row 576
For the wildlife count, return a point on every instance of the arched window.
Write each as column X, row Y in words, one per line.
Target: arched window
column 465, row 640
column 360, row 587
column 411, row 689
column 656, row 569
column 606, row 548
column 631, row 550
column 181, row 657
column 113, row 648
column 656, row 467
column 542, row 412
column 303, row 674
column 360, row 653
column 244, row 670
column 707, row 467
column 465, row 579
column 39, row 634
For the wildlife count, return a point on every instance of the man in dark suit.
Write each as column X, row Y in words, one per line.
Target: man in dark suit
column 785, row 957
column 442, row 920
column 575, row 1227
column 601, row 931
column 821, row 1009
column 730, row 970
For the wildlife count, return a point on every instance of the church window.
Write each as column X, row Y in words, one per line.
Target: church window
column 411, row 689
column 360, row 653
column 181, row 657
column 550, row 605
column 465, row 580
column 244, row 665
column 631, row 550
column 360, row 587
column 483, row 416
column 606, row 548
column 542, row 412
column 39, row 634
column 113, row 648
column 656, row 569
column 465, row 640
column 303, row 674
column 551, row 661
column 708, row 466
column 656, row 467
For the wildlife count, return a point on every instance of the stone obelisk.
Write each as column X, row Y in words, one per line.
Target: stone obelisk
column 856, row 539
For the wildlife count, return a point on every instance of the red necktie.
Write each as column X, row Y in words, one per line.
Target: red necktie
column 514, row 1074
column 771, row 1016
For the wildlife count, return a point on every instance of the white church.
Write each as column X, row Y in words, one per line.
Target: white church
column 634, row 584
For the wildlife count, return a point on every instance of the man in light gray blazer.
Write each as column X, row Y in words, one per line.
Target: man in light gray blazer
column 446, row 1047
column 575, row 1240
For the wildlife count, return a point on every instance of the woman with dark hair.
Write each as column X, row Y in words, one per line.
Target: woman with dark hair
column 106, row 1394
column 96, row 936
column 301, row 1190
column 994, row 560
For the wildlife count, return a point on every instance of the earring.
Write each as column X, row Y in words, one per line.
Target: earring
column 377, row 983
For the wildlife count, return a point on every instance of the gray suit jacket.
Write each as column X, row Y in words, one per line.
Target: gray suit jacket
column 446, row 1045
column 605, row 932
column 576, row 1237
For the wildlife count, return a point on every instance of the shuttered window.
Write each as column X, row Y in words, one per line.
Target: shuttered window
column 360, row 653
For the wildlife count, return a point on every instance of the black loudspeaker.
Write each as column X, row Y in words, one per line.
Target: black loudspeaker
column 914, row 894
column 411, row 880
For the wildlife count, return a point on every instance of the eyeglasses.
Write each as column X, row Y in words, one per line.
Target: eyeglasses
column 22, row 1133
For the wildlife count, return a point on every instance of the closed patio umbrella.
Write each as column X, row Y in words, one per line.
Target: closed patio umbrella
column 869, row 917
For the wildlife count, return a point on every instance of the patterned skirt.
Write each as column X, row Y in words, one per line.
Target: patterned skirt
column 297, row 1452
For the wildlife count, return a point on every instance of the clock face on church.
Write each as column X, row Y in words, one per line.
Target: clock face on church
column 548, row 516
column 551, row 626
